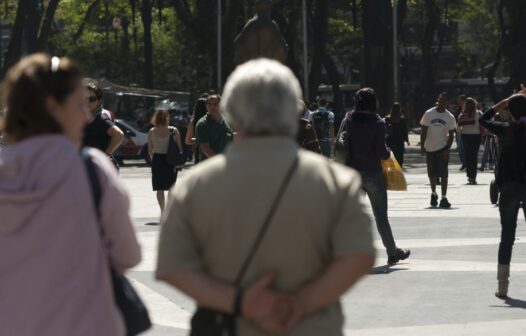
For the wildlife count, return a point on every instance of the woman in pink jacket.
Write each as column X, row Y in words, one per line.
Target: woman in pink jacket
column 54, row 266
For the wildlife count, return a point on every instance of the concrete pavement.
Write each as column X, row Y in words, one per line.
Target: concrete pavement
column 445, row 288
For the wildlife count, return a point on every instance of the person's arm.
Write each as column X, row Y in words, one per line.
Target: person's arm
column 116, row 139
column 118, row 232
column 352, row 248
column 451, row 137
column 496, row 127
column 207, row 150
column 382, row 151
column 189, row 138
column 150, row 143
column 341, row 275
column 179, row 263
column 406, row 132
column 177, row 138
column 423, row 136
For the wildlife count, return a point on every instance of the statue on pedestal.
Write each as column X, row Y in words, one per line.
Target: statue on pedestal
column 260, row 37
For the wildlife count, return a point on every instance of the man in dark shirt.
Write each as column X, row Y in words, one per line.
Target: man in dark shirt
column 212, row 132
column 101, row 132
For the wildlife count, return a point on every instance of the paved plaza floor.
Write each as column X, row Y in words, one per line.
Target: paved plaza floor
column 445, row 288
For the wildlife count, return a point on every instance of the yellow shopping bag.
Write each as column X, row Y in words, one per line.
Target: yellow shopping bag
column 394, row 175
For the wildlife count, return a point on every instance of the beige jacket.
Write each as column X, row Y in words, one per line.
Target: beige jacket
column 214, row 213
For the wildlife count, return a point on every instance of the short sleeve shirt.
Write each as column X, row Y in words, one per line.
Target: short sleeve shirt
column 96, row 133
column 439, row 125
column 216, row 134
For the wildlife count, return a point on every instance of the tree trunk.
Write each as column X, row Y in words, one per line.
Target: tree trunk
column 146, row 16
column 377, row 67
column 320, row 25
column 515, row 48
column 45, row 31
column 334, row 77
column 89, row 12
column 14, row 50
column 498, row 56
column 428, row 41
column 32, row 25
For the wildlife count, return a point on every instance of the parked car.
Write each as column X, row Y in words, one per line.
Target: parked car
column 135, row 144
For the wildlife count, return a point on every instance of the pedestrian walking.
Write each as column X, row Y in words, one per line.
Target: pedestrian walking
column 54, row 264
column 307, row 137
column 213, row 133
column 101, row 132
column 469, row 128
column 511, row 176
column 199, row 112
column 164, row 175
column 438, row 132
column 366, row 143
column 458, row 136
column 323, row 122
column 398, row 134
column 306, row 225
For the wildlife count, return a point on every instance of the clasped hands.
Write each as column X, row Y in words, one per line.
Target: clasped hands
column 271, row 310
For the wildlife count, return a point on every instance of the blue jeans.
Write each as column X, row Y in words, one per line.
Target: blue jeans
column 511, row 196
column 375, row 188
column 325, row 147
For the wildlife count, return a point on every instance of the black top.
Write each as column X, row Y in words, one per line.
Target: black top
column 512, row 161
column 397, row 132
column 96, row 132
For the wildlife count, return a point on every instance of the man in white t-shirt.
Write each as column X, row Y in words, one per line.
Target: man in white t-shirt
column 438, row 131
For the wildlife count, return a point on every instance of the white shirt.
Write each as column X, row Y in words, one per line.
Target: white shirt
column 439, row 125
column 473, row 128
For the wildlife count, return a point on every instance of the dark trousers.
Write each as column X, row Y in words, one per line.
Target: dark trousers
column 511, row 196
column 375, row 188
column 471, row 144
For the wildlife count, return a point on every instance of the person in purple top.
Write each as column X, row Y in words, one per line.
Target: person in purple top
column 366, row 144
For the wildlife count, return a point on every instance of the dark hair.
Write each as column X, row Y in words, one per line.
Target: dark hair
column 470, row 107
column 365, row 100
column 462, row 96
column 443, row 94
column 26, row 87
column 95, row 89
column 161, row 117
column 199, row 110
column 213, row 96
column 323, row 102
column 396, row 110
column 517, row 106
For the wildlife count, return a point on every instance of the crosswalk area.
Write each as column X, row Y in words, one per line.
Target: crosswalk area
column 445, row 288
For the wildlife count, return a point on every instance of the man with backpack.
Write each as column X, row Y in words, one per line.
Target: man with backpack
column 323, row 122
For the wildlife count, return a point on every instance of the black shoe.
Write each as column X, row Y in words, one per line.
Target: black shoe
column 444, row 204
column 481, row 168
column 462, row 168
column 472, row 181
column 400, row 255
column 434, row 200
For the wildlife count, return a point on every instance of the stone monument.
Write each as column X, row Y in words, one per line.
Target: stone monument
column 261, row 37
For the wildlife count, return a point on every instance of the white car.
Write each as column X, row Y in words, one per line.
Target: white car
column 135, row 144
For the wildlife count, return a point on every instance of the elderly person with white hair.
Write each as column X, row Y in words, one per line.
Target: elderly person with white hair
column 266, row 237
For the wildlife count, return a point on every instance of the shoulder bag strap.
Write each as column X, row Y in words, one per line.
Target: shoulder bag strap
column 264, row 228
column 96, row 190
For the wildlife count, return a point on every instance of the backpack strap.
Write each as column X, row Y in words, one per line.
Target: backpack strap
column 96, row 190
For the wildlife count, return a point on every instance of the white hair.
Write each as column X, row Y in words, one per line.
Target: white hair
column 262, row 97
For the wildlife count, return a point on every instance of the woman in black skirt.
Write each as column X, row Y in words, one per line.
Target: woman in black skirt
column 164, row 175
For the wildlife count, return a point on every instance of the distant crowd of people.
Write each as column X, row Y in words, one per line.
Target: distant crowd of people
column 265, row 236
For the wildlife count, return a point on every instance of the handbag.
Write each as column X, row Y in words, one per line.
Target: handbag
column 209, row 322
column 175, row 156
column 394, row 174
column 133, row 311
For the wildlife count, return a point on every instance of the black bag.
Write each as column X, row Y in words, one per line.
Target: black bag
column 133, row 311
column 175, row 156
column 209, row 322
column 320, row 121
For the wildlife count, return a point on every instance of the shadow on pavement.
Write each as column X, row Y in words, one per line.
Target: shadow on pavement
column 152, row 223
column 515, row 303
column 386, row 269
